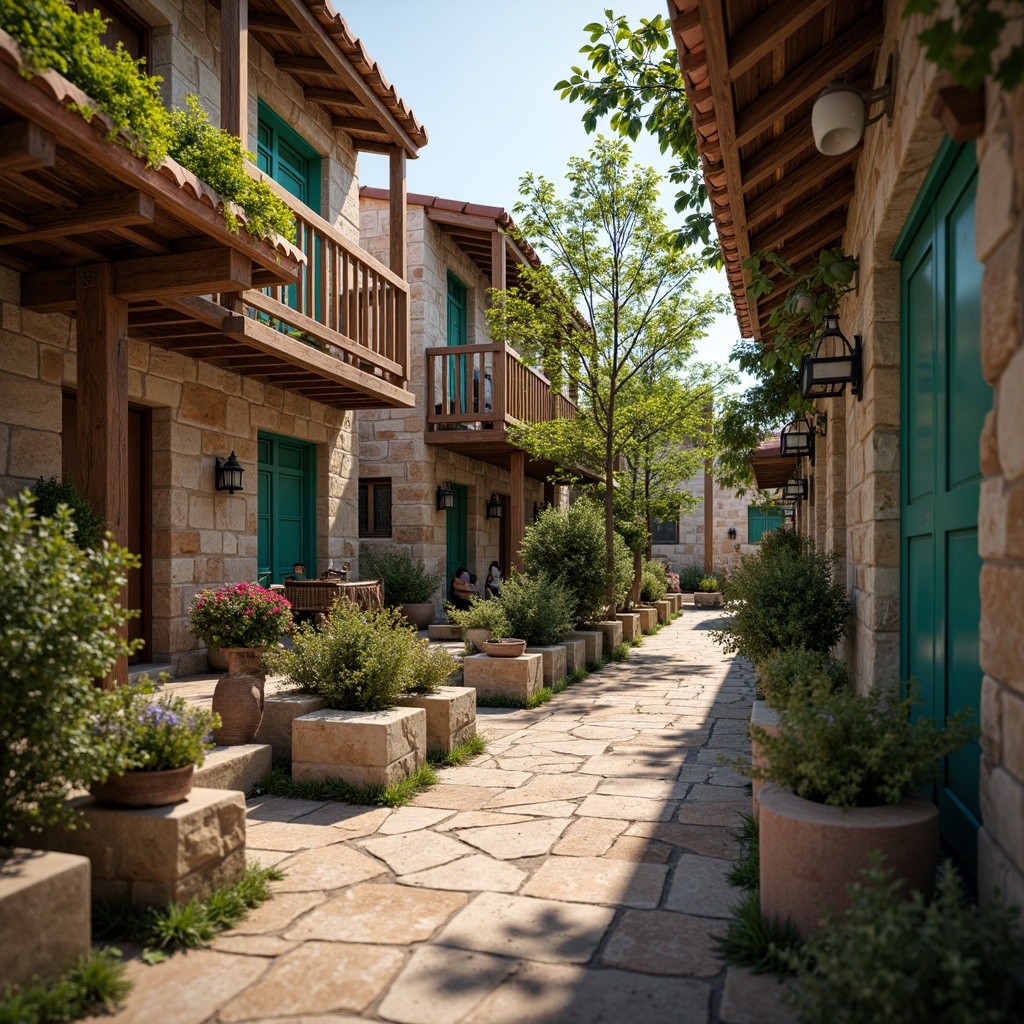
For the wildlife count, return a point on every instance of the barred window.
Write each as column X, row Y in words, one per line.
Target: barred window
column 374, row 508
column 664, row 531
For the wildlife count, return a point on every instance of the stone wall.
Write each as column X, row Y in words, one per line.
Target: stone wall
column 391, row 442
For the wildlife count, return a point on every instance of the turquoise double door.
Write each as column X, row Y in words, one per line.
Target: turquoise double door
column 944, row 401
column 286, row 507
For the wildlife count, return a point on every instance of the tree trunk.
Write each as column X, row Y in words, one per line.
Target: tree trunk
column 609, row 528
column 638, row 571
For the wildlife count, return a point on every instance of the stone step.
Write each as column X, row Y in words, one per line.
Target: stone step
column 238, row 767
column 151, row 669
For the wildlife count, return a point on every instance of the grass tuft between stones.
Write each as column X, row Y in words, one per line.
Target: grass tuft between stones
column 188, row 926
column 279, row 782
column 745, row 873
column 475, row 745
column 95, row 984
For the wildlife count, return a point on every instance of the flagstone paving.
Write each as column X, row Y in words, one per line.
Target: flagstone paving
column 575, row 872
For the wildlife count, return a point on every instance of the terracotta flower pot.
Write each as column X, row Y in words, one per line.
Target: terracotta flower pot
column 145, row 789
column 504, row 648
column 245, row 661
column 420, row 615
column 217, row 659
column 238, row 698
column 478, row 637
column 810, row 852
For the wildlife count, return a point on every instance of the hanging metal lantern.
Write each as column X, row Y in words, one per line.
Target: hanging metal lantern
column 228, row 475
column 835, row 364
column 445, row 497
column 494, row 507
column 797, row 438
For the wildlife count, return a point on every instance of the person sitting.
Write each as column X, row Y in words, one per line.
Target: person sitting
column 492, row 585
column 461, row 589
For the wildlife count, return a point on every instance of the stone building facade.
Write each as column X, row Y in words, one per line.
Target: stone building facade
column 189, row 411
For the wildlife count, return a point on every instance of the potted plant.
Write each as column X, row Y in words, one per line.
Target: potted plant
column 155, row 742
column 483, row 620
column 408, row 585
column 537, row 609
column 708, row 594
column 653, row 582
column 505, row 647
column 245, row 620
column 841, row 774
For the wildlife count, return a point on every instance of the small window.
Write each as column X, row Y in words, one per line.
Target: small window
column 374, row 508
column 664, row 531
column 761, row 520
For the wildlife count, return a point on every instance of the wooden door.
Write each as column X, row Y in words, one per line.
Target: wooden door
column 944, row 403
column 140, row 447
column 457, row 532
column 286, row 507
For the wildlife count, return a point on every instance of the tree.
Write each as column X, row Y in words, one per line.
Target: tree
column 614, row 308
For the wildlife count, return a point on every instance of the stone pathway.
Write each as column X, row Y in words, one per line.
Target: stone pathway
column 573, row 873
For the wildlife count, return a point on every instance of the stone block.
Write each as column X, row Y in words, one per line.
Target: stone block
column 611, row 634
column 630, row 625
column 279, row 711
column 648, row 618
column 156, row 854
column 554, row 663
column 504, row 677
column 444, row 631
column 664, row 610
column 762, row 714
column 235, row 767
column 575, row 654
column 676, row 600
column 362, row 748
column 703, row 600
column 593, row 641
column 451, row 715
column 44, row 914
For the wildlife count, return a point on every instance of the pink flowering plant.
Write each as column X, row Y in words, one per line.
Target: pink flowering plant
column 239, row 615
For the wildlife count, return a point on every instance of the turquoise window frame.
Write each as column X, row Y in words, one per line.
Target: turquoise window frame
column 761, row 521
column 266, row 159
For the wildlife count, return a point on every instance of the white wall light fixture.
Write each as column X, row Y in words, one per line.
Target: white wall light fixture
column 839, row 115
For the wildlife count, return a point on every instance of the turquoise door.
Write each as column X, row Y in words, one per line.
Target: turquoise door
column 457, row 532
column 944, row 401
column 286, row 507
column 457, row 335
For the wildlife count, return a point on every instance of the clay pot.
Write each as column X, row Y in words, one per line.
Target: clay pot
column 217, row 659
column 810, row 852
column 420, row 615
column 145, row 789
column 478, row 637
column 245, row 661
column 504, row 648
column 764, row 715
column 238, row 699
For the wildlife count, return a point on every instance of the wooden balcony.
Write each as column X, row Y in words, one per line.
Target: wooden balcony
column 475, row 393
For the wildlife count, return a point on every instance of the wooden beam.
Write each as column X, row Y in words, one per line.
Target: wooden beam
column 795, row 184
column 398, row 213
column 96, row 213
column 340, row 96
column 234, row 68
column 24, row 146
column 310, row 65
column 498, row 257
column 461, row 220
column 357, row 124
column 812, row 211
column 371, row 146
column 274, row 26
column 768, row 31
column 102, row 408
column 517, row 512
column 802, row 83
column 960, row 111
column 763, row 164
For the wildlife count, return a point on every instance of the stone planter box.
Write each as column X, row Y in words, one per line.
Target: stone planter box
column 767, row 718
column 611, row 634
column 44, row 914
column 444, row 631
column 156, row 854
column 575, row 654
column 810, row 852
column 477, row 638
column 234, row 767
column 279, row 711
column 648, row 618
column 676, row 601
column 712, row 600
column 362, row 748
column 451, row 715
column 593, row 640
column 554, row 663
column 518, row 677
column 664, row 610
column 630, row 625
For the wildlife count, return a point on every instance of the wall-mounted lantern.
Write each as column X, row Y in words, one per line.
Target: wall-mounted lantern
column 494, row 507
column 835, row 364
column 228, row 475
column 794, row 489
column 445, row 497
column 796, row 438
column 839, row 115
column 732, row 533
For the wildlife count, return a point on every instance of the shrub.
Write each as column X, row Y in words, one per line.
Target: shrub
column 239, row 615
column 709, row 585
column 430, row 667
column 359, row 660
column 153, row 733
column 653, row 582
column 89, row 525
column 690, row 577
column 481, row 614
column 786, row 672
column 539, row 610
column 406, row 580
column 896, row 958
column 780, row 600
column 852, row 751
column 59, row 618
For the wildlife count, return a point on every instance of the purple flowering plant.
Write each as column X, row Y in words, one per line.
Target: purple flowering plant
column 144, row 730
column 239, row 615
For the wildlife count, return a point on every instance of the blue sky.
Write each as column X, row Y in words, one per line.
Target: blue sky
column 480, row 76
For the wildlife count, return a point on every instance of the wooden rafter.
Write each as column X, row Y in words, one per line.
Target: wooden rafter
column 765, row 32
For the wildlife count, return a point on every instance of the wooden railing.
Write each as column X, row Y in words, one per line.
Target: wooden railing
column 345, row 303
column 478, row 386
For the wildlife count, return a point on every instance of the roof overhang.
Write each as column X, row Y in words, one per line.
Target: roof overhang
column 770, row 469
